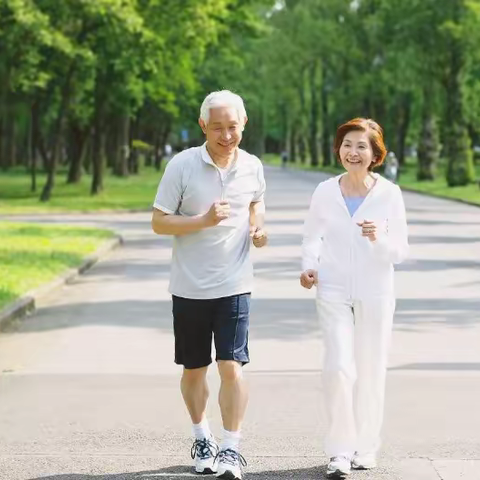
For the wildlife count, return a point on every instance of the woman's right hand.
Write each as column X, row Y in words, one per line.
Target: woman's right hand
column 308, row 279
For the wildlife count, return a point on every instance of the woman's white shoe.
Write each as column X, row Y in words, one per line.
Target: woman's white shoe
column 364, row 462
column 338, row 467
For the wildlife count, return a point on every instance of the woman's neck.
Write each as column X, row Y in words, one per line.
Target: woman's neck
column 358, row 183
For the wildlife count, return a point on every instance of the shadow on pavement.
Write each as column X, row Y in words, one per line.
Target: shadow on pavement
column 444, row 367
column 279, row 318
column 182, row 472
column 287, row 319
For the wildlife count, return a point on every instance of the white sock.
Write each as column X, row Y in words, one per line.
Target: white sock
column 230, row 440
column 202, row 430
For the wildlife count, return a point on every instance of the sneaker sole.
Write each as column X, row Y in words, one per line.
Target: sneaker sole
column 228, row 476
column 337, row 475
column 363, row 467
column 206, row 471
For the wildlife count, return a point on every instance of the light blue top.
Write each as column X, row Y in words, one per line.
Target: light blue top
column 353, row 203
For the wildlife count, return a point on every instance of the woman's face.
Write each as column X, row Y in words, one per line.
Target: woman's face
column 356, row 152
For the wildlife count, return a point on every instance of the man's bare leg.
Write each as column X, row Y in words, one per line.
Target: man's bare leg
column 195, row 392
column 233, row 395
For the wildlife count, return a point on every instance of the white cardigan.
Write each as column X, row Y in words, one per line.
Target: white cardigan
column 351, row 267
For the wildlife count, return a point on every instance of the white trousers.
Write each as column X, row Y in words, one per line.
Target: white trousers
column 357, row 339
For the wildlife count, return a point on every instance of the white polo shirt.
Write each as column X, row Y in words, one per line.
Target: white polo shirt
column 213, row 262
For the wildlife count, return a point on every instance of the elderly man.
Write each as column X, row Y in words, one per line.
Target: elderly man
column 211, row 199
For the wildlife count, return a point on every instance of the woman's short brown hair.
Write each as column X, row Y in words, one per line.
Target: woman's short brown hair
column 375, row 135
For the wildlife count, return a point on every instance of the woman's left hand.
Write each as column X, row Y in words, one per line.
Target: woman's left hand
column 369, row 230
column 259, row 236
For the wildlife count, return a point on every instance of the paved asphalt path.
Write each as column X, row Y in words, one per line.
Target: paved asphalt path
column 89, row 390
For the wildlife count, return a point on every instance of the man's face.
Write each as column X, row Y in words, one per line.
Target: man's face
column 223, row 131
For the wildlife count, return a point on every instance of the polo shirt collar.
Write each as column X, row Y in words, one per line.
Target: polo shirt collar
column 206, row 156
column 208, row 159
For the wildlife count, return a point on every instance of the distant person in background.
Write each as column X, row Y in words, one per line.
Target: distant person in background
column 391, row 167
column 168, row 151
column 354, row 233
column 284, row 156
column 211, row 199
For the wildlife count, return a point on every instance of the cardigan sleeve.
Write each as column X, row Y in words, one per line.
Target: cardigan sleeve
column 312, row 233
column 392, row 245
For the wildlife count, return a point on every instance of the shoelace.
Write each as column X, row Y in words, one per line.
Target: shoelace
column 231, row 457
column 340, row 457
column 203, row 449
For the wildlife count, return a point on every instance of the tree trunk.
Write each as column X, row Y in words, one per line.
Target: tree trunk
column 403, row 126
column 292, row 145
column 326, row 134
column 4, row 89
column 133, row 153
column 254, row 139
column 78, row 141
column 8, row 131
column 428, row 149
column 285, row 122
column 313, row 147
column 32, row 146
column 460, row 169
column 57, row 136
column 11, row 131
column 98, row 147
column 302, row 151
column 158, row 151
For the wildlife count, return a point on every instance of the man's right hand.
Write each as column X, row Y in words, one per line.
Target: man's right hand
column 218, row 211
column 309, row 278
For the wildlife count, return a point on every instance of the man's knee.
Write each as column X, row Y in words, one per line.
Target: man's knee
column 230, row 370
column 194, row 375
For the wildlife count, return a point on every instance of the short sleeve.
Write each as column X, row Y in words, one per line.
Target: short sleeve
column 260, row 192
column 170, row 190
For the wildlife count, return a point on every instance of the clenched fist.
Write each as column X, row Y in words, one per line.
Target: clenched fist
column 308, row 279
column 218, row 211
column 369, row 230
column 259, row 236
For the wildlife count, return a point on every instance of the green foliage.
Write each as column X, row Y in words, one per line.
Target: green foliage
column 33, row 255
column 75, row 75
column 133, row 193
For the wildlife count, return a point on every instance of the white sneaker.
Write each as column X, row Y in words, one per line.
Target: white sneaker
column 230, row 465
column 364, row 462
column 205, row 452
column 339, row 467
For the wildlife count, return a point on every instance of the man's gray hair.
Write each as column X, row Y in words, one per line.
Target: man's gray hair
column 223, row 98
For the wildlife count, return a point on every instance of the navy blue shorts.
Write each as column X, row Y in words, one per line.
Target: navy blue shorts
column 195, row 322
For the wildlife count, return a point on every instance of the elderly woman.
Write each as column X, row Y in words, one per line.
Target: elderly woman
column 354, row 233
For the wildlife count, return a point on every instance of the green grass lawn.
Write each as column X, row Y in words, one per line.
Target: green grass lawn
column 438, row 187
column 31, row 255
column 134, row 192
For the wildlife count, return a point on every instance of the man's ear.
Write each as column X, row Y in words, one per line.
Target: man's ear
column 203, row 126
column 244, row 123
